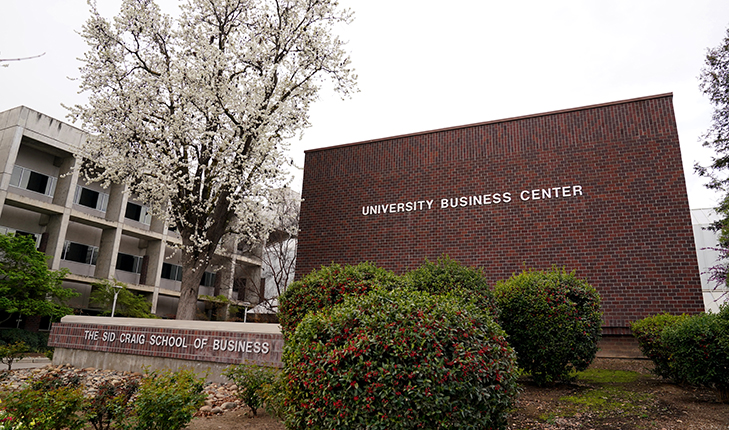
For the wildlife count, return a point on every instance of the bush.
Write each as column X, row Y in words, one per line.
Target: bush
column 250, row 379
column 47, row 404
column 274, row 396
column 110, row 407
column 699, row 351
column 399, row 359
column 168, row 400
column 553, row 321
column 11, row 353
column 36, row 341
column 449, row 276
column 327, row 287
column 648, row 332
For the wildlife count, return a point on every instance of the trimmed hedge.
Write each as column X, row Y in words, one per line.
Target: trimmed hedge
column 327, row 287
column 399, row 359
column 449, row 276
column 553, row 320
column 699, row 351
column 648, row 332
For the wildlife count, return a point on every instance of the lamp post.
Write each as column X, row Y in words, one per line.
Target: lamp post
column 117, row 288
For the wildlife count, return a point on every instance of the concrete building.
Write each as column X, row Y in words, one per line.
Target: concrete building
column 707, row 242
column 99, row 233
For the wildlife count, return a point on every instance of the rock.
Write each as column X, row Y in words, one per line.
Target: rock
column 216, row 410
column 229, row 405
column 206, row 409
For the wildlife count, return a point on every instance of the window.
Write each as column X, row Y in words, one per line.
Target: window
column 9, row 230
column 80, row 253
column 172, row 272
column 128, row 263
column 138, row 213
column 90, row 198
column 208, row 279
column 33, row 181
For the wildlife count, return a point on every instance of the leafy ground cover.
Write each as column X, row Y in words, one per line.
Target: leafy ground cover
column 611, row 394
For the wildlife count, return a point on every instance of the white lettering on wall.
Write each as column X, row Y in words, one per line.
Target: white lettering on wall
column 561, row 192
column 169, row 341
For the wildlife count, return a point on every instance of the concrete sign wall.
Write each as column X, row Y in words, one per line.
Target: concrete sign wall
column 131, row 343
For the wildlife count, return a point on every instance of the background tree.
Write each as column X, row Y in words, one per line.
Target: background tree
column 27, row 286
column 714, row 82
column 193, row 113
column 128, row 304
column 278, row 259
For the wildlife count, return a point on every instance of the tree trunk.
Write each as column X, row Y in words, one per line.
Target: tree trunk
column 193, row 270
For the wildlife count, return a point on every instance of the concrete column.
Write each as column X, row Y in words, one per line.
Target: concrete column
column 156, row 256
column 9, row 144
column 67, row 181
column 56, row 229
column 158, row 225
column 253, row 285
column 224, row 279
column 117, row 206
column 108, row 250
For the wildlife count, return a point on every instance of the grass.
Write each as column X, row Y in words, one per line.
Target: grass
column 604, row 397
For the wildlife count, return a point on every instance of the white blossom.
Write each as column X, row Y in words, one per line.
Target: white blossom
column 193, row 113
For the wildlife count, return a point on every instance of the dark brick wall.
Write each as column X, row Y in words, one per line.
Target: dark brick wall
column 625, row 226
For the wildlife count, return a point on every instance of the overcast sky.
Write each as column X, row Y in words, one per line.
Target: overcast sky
column 423, row 65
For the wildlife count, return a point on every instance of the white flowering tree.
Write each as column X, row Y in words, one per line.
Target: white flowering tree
column 192, row 112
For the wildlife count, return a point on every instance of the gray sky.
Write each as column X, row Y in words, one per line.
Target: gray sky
column 424, row 66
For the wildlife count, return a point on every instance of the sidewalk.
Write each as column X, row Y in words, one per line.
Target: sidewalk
column 29, row 363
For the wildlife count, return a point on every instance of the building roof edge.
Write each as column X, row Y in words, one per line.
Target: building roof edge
column 478, row 124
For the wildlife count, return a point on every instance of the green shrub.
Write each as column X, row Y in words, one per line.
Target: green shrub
column 648, row 332
column 110, row 407
column 48, row 404
column 699, row 348
column 553, row 321
column 250, row 379
column 449, row 276
column 13, row 352
column 327, row 287
column 36, row 341
column 397, row 359
column 274, row 396
column 168, row 400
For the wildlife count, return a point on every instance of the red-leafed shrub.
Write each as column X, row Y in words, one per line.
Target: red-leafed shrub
column 553, row 320
column 449, row 276
column 327, row 287
column 648, row 332
column 399, row 359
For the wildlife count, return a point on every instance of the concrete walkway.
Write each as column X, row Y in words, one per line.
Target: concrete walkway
column 28, row 363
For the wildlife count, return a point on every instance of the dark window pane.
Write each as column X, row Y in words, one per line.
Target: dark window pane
column 171, row 271
column 208, row 279
column 88, row 198
column 77, row 252
column 37, row 182
column 133, row 212
column 166, row 271
column 125, row 262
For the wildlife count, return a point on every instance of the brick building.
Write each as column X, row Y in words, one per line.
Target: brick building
column 598, row 189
